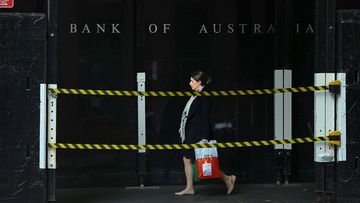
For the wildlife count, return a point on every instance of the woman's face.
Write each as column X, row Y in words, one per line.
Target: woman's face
column 195, row 85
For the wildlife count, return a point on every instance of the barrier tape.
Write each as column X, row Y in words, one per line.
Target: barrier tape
column 333, row 138
column 187, row 93
column 333, row 87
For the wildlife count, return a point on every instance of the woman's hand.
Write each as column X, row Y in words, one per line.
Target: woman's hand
column 204, row 141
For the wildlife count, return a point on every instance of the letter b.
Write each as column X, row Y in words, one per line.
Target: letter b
column 73, row 28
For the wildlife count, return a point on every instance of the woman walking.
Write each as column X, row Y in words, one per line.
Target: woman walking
column 195, row 127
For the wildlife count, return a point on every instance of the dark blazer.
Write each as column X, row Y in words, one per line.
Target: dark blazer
column 198, row 125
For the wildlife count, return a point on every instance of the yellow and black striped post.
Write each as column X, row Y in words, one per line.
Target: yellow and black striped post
column 333, row 138
column 332, row 86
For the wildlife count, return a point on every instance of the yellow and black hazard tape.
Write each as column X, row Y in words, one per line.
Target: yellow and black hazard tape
column 332, row 138
column 333, row 86
column 187, row 93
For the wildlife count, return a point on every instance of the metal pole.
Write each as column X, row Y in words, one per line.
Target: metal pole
column 283, row 124
column 52, row 102
column 141, row 127
column 324, row 102
column 42, row 129
column 51, row 78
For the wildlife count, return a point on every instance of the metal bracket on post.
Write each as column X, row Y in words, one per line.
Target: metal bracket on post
column 51, row 152
column 334, row 86
column 141, row 78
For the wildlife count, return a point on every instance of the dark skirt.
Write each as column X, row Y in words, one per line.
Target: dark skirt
column 189, row 154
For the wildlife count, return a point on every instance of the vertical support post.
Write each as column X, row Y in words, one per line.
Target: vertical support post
column 324, row 112
column 42, row 129
column 141, row 79
column 52, row 103
column 324, row 122
column 287, row 125
column 51, row 74
column 347, row 105
column 283, row 124
column 324, row 118
column 52, row 41
column 341, row 116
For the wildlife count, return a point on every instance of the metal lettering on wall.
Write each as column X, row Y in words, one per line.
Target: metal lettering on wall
column 210, row 28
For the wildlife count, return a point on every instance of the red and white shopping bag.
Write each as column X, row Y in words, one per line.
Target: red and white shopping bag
column 207, row 163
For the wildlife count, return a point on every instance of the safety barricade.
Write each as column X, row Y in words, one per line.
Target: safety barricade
column 332, row 138
column 332, row 87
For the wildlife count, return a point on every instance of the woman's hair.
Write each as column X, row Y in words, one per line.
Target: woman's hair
column 201, row 76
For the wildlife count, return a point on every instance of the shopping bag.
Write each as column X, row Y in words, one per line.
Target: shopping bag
column 195, row 173
column 207, row 163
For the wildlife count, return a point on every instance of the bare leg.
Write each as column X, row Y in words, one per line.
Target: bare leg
column 229, row 182
column 189, row 190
